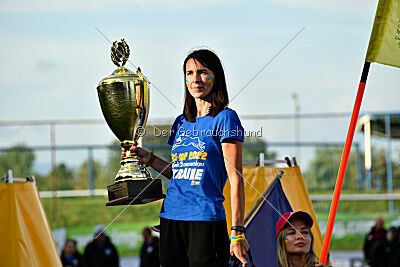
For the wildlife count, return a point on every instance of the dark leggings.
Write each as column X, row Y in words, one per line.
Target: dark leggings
column 194, row 243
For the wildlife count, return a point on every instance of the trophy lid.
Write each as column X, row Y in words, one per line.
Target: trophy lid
column 119, row 55
column 121, row 74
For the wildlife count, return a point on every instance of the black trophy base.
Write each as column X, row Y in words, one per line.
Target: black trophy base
column 130, row 192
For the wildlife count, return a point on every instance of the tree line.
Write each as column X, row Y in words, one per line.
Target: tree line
column 319, row 176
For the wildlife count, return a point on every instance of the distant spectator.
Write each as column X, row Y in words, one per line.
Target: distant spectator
column 101, row 252
column 398, row 234
column 70, row 257
column 374, row 244
column 391, row 249
column 150, row 252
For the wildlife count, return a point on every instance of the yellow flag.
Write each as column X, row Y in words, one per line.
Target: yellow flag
column 26, row 238
column 384, row 44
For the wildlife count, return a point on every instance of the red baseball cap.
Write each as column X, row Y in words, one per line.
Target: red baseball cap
column 303, row 215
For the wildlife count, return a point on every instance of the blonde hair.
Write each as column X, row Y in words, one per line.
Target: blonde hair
column 283, row 255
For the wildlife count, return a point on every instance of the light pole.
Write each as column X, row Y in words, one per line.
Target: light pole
column 296, row 125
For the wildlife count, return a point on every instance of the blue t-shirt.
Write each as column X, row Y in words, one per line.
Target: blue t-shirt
column 195, row 192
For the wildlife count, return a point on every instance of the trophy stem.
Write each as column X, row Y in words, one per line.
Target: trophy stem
column 133, row 183
column 131, row 165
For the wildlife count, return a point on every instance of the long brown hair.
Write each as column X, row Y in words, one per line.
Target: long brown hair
column 219, row 93
column 283, row 255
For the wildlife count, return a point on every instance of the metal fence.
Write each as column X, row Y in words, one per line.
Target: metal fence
column 74, row 141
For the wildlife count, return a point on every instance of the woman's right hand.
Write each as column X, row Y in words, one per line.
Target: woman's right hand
column 141, row 152
column 156, row 163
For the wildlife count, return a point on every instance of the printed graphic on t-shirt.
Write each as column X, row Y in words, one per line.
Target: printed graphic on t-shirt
column 185, row 140
column 188, row 165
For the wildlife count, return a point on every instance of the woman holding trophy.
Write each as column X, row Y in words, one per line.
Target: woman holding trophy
column 206, row 151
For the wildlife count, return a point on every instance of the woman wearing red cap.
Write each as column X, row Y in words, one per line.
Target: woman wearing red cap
column 295, row 241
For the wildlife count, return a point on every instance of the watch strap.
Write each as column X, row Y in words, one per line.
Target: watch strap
column 239, row 228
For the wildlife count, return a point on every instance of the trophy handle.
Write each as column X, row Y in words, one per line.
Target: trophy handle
column 143, row 90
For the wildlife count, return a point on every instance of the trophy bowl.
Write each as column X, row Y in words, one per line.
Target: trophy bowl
column 125, row 100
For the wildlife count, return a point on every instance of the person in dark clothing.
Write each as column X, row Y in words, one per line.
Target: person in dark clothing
column 150, row 251
column 70, row 257
column 396, row 250
column 374, row 244
column 391, row 249
column 101, row 252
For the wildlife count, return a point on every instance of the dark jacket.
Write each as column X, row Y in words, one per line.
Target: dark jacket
column 391, row 253
column 374, row 249
column 150, row 254
column 101, row 256
column 75, row 261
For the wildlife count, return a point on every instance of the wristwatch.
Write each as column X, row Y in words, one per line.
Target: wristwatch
column 239, row 228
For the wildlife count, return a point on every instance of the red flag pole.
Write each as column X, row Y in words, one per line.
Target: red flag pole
column 343, row 165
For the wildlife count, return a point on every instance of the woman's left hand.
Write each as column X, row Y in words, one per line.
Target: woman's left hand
column 240, row 249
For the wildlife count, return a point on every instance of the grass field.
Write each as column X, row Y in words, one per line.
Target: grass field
column 80, row 215
column 86, row 211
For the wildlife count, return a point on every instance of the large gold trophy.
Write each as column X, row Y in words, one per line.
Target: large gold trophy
column 125, row 100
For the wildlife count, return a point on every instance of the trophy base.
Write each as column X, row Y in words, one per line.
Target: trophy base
column 129, row 192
